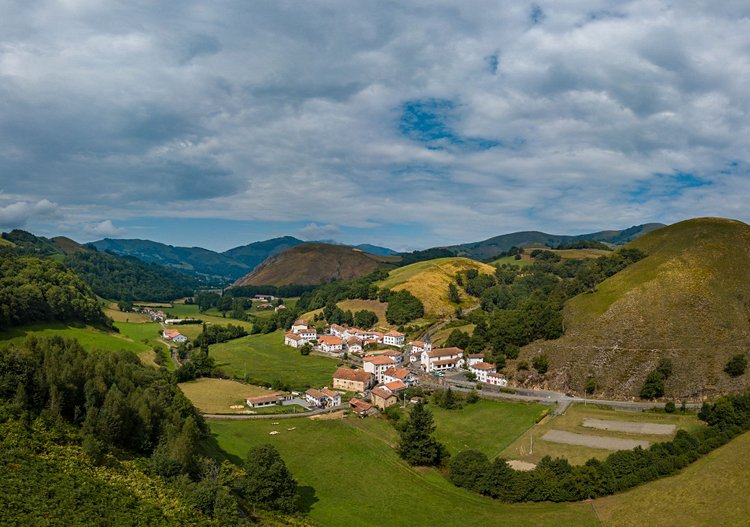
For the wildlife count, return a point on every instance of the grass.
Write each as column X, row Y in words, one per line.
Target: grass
column 565, row 254
column 440, row 336
column 486, row 426
column 215, row 396
column 711, row 491
column 121, row 316
column 350, row 474
column 265, row 359
column 429, row 282
column 371, row 305
column 572, row 421
column 89, row 337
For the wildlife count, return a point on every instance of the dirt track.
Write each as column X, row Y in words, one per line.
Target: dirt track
column 630, row 427
column 606, row 443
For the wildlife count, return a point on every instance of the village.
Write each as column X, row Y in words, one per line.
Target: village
column 383, row 368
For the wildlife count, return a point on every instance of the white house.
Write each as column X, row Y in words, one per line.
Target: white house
column 378, row 365
column 308, row 334
column 496, row 379
column 442, row 359
column 393, row 374
column 394, row 338
column 474, row 358
column 331, row 344
column 173, row 335
column 418, row 346
column 322, row 398
column 481, row 370
column 295, row 341
column 336, row 330
column 354, row 345
column 299, row 325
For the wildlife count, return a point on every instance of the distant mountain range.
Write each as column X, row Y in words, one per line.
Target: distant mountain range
column 498, row 244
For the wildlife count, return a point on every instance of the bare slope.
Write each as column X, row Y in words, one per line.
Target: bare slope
column 313, row 263
column 688, row 300
column 429, row 282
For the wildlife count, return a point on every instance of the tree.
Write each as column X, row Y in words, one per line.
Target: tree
column 267, row 481
column 306, row 349
column 736, row 365
column 365, row 318
column 590, row 386
column 204, row 341
column 453, row 295
column 670, row 407
column 540, row 363
column 653, row 387
column 457, row 339
column 403, row 307
column 417, row 446
column 468, row 469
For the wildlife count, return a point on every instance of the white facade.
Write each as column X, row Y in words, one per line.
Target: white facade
column 481, row 370
column 378, row 366
column 442, row 359
column 496, row 379
column 394, row 338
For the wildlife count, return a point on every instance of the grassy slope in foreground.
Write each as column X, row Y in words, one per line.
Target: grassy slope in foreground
column 711, row 491
column 265, row 359
column 429, row 282
column 358, row 479
column 686, row 300
column 89, row 337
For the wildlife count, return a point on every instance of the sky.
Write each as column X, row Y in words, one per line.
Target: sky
column 403, row 124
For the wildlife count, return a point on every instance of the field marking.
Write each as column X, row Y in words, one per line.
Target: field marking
column 629, row 427
column 605, row 443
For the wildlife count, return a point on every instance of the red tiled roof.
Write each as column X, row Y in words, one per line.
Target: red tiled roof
column 382, row 393
column 300, row 322
column 399, row 373
column 395, row 386
column 476, row 355
column 417, row 344
column 330, row 393
column 394, row 333
column 316, row 394
column 379, row 360
column 443, row 352
column 330, row 340
column 171, row 333
column 483, row 366
column 359, row 406
column 444, row 361
column 293, row 336
column 352, row 375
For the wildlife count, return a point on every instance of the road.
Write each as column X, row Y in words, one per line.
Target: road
column 276, row 416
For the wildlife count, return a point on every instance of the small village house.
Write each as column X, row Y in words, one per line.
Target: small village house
column 399, row 374
column 350, row 380
column 442, row 359
column 496, row 379
column 378, row 365
column 481, row 369
column 394, row 338
column 172, row 335
column 331, row 344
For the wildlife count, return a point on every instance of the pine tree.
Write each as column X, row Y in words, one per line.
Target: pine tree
column 417, row 446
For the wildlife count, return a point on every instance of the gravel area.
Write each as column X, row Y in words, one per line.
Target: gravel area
column 630, row 427
column 606, row 443
column 523, row 466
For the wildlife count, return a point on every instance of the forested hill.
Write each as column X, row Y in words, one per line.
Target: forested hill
column 39, row 290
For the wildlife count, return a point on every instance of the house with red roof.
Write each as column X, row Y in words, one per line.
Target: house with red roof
column 172, row 335
column 378, row 365
column 442, row 359
column 394, row 338
column 331, row 344
column 351, row 380
column 481, row 369
column 399, row 374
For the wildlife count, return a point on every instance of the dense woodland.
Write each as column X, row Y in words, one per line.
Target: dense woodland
column 41, row 290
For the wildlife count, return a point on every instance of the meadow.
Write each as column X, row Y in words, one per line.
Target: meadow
column 265, row 359
column 89, row 337
column 350, row 474
column 216, row 396
column 571, row 421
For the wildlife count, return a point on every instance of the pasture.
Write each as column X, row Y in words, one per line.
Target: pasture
column 349, row 474
column 216, row 396
column 573, row 422
column 265, row 359
column 711, row 491
column 486, row 426
column 89, row 337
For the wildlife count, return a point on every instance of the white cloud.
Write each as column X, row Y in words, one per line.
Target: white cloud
column 104, row 228
column 19, row 213
column 313, row 231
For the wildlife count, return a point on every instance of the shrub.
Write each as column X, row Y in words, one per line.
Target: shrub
column 736, row 365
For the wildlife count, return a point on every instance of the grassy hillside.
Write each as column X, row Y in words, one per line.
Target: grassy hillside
column 429, row 282
column 253, row 254
column 708, row 492
column 353, row 476
column 565, row 254
column 314, row 263
column 688, row 300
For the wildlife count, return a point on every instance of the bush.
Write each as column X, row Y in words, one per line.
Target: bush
column 670, row 407
column 736, row 365
column 540, row 363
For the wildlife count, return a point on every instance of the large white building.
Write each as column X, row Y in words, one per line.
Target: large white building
column 442, row 359
column 394, row 338
column 378, row 366
column 481, row 370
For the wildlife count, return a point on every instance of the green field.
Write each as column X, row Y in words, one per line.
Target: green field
column 264, row 358
column 216, row 396
column 89, row 337
column 711, row 491
column 350, row 475
column 487, row 426
column 571, row 421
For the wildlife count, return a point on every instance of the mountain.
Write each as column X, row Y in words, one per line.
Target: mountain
column 429, row 281
column 192, row 260
column 253, row 254
column 688, row 301
column 314, row 263
column 498, row 244
column 376, row 250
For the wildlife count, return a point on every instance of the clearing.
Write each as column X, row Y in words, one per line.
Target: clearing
column 264, row 359
column 573, row 421
column 605, row 443
column 350, row 474
column 217, row 396
column 711, row 491
column 89, row 336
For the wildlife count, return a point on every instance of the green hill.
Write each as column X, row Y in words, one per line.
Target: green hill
column 253, row 254
column 314, row 263
column 429, row 282
column 687, row 300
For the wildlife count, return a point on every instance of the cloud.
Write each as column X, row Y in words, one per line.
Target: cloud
column 19, row 213
column 104, row 228
column 313, row 231
column 459, row 120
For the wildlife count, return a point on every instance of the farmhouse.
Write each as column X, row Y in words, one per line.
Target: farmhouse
column 295, row 341
column 354, row 345
column 335, row 329
column 173, row 335
column 308, row 334
column 299, row 325
column 351, row 380
column 267, row 298
column 481, row 369
column 496, row 379
column 399, row 374
column 418, row 346
column 474, row 358
column 394, row 338
column 331, row 344
column 323, row 398
column 383, row 398
column 262, row 401
column 395, row 386
column 378, row 365
column 442, row 359
column 361, row 408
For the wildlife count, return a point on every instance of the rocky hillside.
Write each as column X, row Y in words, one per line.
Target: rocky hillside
column 688, row 300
